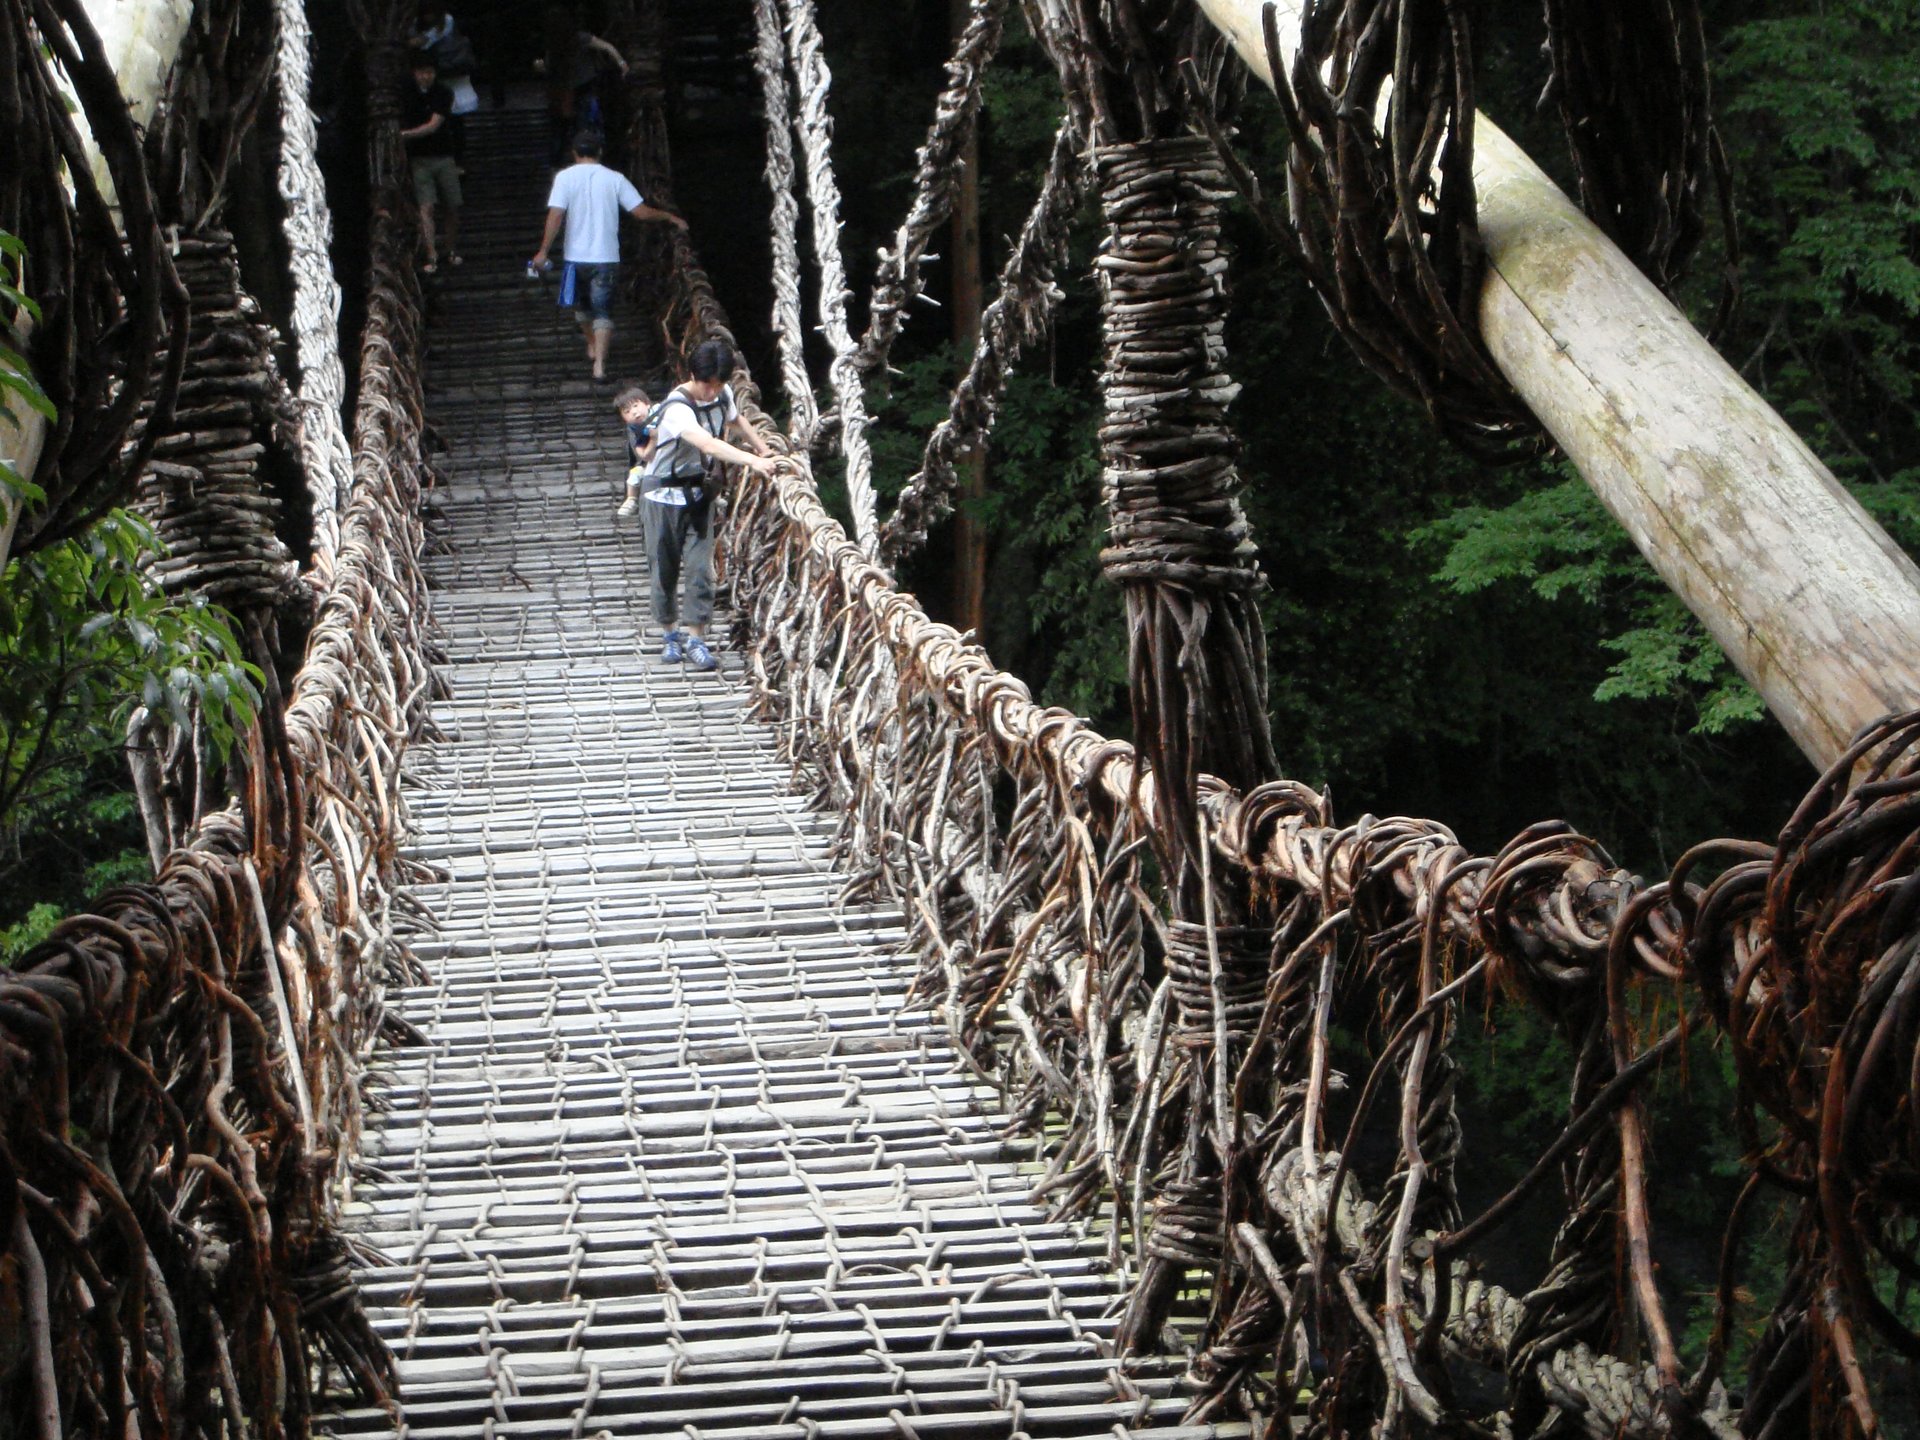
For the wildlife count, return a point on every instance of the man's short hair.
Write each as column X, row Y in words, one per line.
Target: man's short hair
column 423, row 60
column 711, row 360
column 588, row 144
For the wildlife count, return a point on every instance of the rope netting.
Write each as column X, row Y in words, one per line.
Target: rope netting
column 180, row 1066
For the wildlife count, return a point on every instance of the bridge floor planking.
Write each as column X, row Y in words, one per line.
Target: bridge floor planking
column 673, row 1158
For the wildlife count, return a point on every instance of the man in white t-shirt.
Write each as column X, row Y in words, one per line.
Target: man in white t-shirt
column 676, row 497
column 587, row 201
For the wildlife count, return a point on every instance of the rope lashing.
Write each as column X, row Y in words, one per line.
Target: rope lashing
column 898, row 280
column 1165, row 442
column 770, row 63
column 1178, row 541
column 1018, row 318
column 203, row 490
column 327, row 457
column 814, row 126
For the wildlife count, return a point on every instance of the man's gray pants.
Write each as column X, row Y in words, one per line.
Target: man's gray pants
column 679, row 542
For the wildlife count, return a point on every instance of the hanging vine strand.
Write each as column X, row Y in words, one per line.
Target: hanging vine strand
column 1380, row 107
column 109, row 347
column 815, row 130
column 789, row 327
column 897, row 282
column 1635, row 100
column 1017, row 320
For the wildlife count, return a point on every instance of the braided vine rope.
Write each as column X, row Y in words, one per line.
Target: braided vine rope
column 789, row 325
column 327, row 457
column 812, row 80
column 1018, row 319
column 897, row 281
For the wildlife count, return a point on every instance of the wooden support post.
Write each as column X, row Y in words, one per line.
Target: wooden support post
column 1812, row 600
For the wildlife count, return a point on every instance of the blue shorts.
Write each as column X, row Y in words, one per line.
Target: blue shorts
column 588, row 288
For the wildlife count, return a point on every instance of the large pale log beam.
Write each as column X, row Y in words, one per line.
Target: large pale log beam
column 1811, row 599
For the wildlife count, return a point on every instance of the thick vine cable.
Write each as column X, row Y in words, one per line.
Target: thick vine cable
column 326, row 455
column 770, row 63
column 814, row 126
column 937, row 179
column 1019, row 317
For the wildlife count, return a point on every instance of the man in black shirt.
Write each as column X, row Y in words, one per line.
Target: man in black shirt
column 426, row 124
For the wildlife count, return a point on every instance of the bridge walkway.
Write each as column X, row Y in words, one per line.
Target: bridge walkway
column 672, row 1156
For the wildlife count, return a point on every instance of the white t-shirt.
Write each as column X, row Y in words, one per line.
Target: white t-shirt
column 594, row 198
column 675, row 420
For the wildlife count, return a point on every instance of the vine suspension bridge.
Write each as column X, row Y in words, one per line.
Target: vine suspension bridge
column 523, row 1037
column 675, row 1155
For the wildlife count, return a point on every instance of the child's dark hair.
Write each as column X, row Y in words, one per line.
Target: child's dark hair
column 629, row 392
column 711, row 360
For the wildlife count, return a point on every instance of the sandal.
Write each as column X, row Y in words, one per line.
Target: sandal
column 429, row 267
column 456, row 260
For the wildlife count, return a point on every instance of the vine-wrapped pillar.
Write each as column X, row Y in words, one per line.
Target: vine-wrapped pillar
column 1180, row 551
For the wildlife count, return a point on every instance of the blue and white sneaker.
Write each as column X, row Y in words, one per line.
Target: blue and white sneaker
column 673, row 647
column 699, row 656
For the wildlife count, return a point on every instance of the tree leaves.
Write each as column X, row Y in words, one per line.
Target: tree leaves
column 84, row 637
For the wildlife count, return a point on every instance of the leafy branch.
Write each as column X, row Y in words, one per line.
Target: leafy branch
column 84, row 637
column 18, row 385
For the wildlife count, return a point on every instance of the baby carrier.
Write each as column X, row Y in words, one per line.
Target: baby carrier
column 676, row 463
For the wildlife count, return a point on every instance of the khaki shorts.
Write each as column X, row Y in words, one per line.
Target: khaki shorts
column 436, row 180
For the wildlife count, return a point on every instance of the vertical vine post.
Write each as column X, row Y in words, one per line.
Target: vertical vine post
column 1180, row 551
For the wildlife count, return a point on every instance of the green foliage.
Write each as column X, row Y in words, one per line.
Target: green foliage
column 84, row 836
column 1046, row 464
column 1822, row 110
column 84, row 637
column 18, row 387
column 1562, row 543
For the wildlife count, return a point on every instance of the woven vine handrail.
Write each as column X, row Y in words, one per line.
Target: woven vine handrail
column 180, row 1066
column 1016, row 839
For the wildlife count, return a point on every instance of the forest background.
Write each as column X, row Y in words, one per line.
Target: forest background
column 1482, row 646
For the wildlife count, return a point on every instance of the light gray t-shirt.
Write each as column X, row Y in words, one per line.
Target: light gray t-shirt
column 673, row 458
column 594, row 198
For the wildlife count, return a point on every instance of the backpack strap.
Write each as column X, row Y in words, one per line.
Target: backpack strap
column 667, row 452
